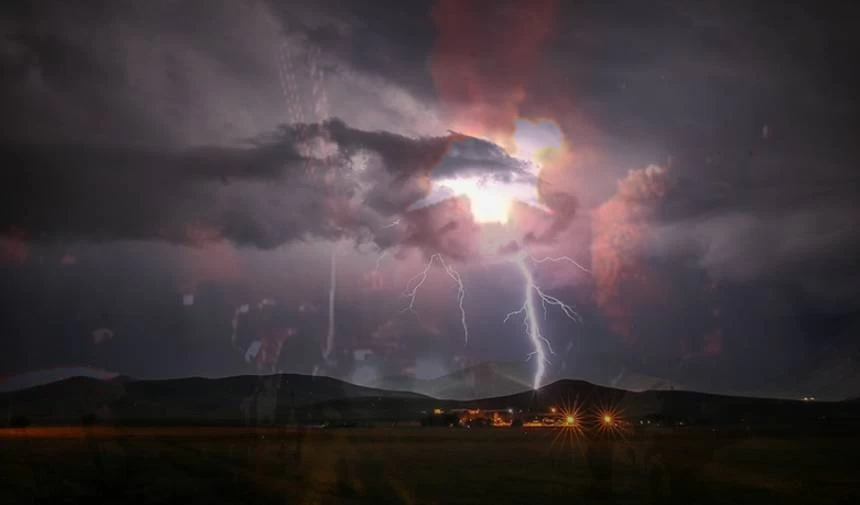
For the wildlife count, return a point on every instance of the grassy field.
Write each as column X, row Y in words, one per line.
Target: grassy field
column 431, row 465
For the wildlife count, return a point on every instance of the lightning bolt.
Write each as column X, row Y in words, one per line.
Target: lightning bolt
column 379, row 259
column 393, row 223
column 461, row 294
column 241, row 309
column 329, row 340
column 417, row 280
column 541, row 345
column 558, row 259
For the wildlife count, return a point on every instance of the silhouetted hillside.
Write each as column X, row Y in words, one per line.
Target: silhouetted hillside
column 197, row 400
column 48, row 375
column 287, row 399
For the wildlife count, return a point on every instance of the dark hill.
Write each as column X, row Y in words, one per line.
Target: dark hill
column 689, row 408
column 306, row 399
column 228, row 400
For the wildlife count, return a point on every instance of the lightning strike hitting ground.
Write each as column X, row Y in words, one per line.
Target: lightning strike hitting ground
column 418, row 280
column 542, row 346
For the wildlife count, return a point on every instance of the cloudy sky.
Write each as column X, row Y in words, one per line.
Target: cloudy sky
column 217, row 187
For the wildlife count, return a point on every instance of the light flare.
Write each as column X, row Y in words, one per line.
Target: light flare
column 610, row 421
column 572, row 423
column 569, row 428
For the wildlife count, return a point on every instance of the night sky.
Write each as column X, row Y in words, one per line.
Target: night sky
column 187, row 185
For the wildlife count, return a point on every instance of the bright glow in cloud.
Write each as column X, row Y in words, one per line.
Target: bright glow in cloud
column 535, row 141
column 491, row 198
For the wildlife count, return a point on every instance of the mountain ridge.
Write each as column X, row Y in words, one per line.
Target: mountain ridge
column 302, row 399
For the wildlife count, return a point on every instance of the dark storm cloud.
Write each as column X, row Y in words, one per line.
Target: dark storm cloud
column 389, row 37
column 754, row 113
column 473, row 157
column 453, row 155
column 751, row 107
column 263, row 194
column 411, row 165
column 161, row 73
column 806, row 240
column 402, row 156
column 404, row 176
column 686, row 252
column 174, row 74
column 97, row 193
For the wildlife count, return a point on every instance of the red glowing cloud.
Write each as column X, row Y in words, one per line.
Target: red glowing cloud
column 621, row 227
column 484, row 58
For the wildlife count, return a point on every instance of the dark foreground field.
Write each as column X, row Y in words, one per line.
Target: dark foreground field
column 404, row 465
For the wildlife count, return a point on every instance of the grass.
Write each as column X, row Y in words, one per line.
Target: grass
column 431, row 465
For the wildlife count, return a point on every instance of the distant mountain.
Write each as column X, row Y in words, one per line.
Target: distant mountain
column 676, row 404
column 65, row 400
column 836, row 377
column 197, row 400
column 38, row 377
column 492, row 379
column 634, row 381
column 482, row 381
column 592, row 401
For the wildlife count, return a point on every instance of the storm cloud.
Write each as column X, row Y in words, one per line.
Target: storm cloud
column 298, row 182
column 266, row 134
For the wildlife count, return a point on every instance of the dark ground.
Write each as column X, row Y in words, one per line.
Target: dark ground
column 413, row 465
